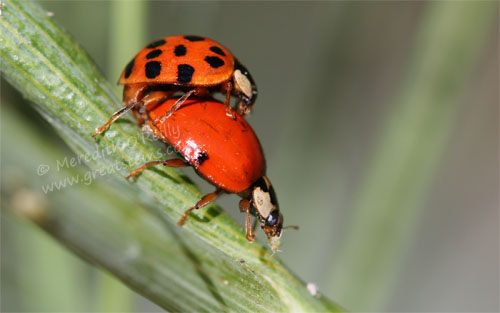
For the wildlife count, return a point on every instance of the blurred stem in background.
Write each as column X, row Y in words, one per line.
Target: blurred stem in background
column 47, row 277
column 128, row 29
column 42, row 289
column 450, row 40
column 112, row 295
column 128, row 33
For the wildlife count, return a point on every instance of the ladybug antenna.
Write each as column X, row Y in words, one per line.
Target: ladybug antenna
column 294, row 227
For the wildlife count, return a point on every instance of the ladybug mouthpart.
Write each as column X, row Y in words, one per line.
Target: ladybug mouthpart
column 274, row 242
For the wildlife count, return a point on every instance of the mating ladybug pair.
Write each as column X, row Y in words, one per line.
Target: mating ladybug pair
column 213, row 138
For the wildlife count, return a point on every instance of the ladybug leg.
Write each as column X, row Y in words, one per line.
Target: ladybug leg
column 243, row 108
column 201, row 92
column 139, row 116
column 157, row 133
column 228, row 87
column 148, row 103
column 154, row 99
column 113, row 118
column 175, row 107
column 135, row 93
column 254, row 226
column 169, row 163
column 206, row 199
column 245, row 207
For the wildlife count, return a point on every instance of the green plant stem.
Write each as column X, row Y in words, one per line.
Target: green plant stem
column 46, row 66
column 127, row 32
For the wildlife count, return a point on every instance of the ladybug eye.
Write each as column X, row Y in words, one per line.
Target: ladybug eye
column 272, row 219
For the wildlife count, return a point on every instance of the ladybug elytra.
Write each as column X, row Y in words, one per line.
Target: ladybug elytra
column 194, row 65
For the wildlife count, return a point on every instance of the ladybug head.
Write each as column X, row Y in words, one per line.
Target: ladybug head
column 265, row 206
column 245, row 87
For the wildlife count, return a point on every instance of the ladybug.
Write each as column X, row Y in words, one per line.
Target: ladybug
column 191, row 64
column 224, row 151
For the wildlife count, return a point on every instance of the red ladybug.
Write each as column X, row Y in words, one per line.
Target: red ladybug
column 192, row 64
column 224, row 151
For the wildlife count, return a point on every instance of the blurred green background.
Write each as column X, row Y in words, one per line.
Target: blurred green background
column 379, row 121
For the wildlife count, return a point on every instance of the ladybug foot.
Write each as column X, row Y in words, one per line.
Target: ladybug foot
column 250, row 237
column 113, row 118
column 136, row 172
column 183, row 218
column 98, row 131
column 231, row 114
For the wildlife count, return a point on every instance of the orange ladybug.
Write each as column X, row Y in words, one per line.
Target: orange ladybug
column 224, row 151
column 191, row 64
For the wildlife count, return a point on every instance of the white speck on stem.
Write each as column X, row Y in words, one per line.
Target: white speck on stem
column 313, row 289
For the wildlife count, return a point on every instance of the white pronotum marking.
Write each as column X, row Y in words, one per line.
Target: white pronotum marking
column 242, row 83
column 262, row 202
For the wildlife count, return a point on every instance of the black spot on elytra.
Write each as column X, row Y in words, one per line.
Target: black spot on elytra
column 153, row 69
column 153, row 54
column 129, row 67
column 184, row 73
column 202, row 157
column 180, row 50
column 155, row 44
column 214, row 62
column 217, row 50
column 194, row 38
